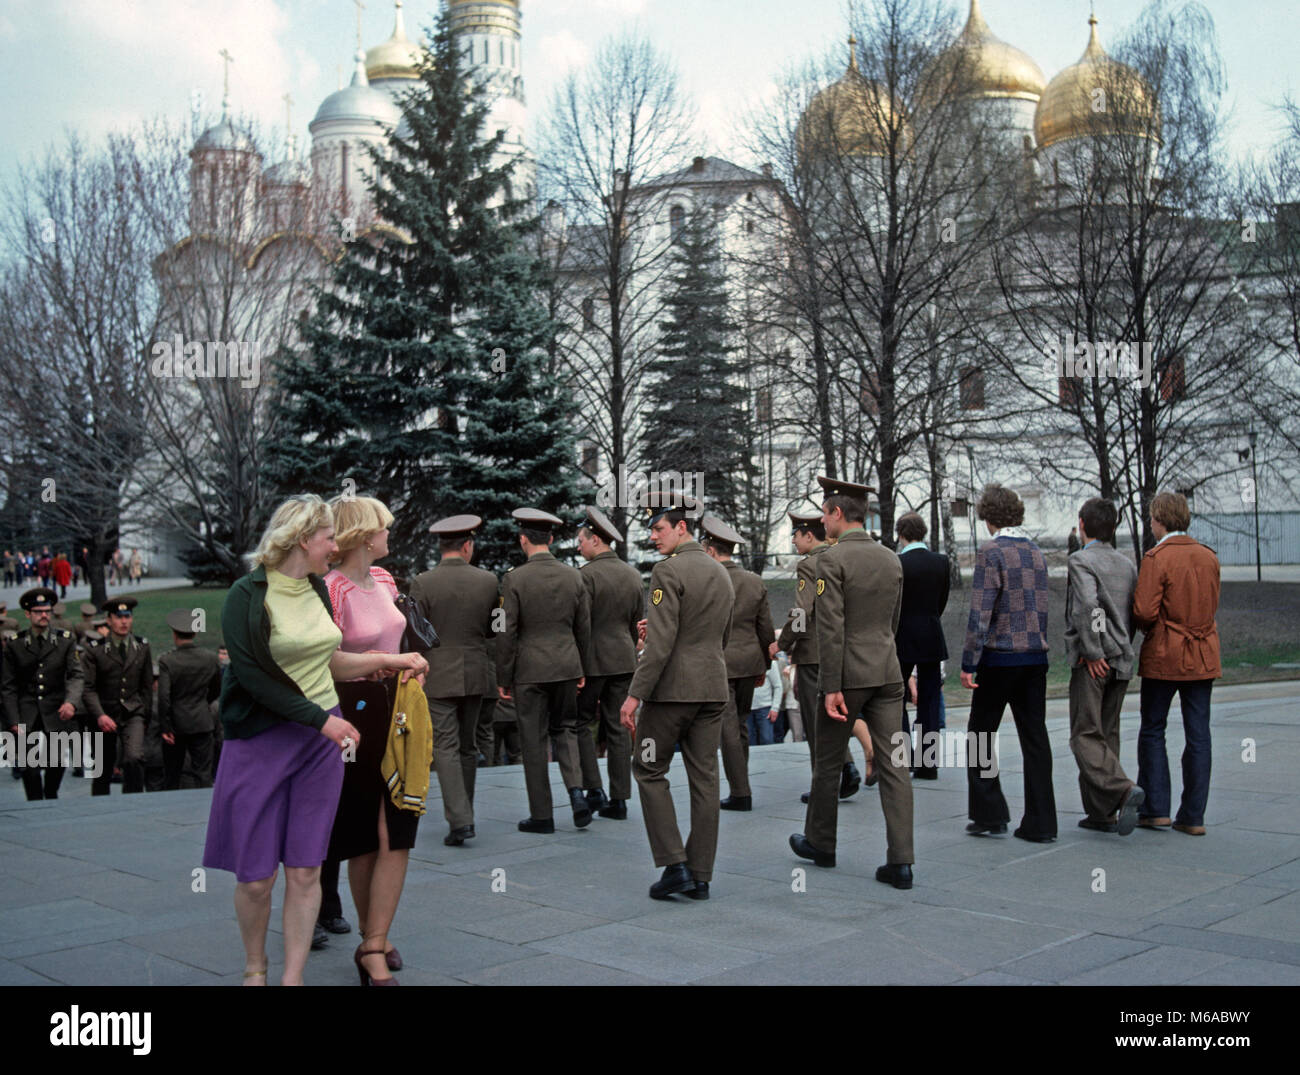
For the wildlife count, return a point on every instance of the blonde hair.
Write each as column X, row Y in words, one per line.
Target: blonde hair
column 357, row 518
column 293, row 521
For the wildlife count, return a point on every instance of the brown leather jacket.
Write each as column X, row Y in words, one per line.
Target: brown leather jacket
column 1174, row 604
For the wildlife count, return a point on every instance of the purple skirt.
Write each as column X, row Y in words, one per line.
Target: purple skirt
column 273, row 801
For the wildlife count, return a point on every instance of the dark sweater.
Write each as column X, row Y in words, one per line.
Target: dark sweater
column 256, row 693
column 1008, row 614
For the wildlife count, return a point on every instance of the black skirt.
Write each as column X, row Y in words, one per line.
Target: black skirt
column 369, row 707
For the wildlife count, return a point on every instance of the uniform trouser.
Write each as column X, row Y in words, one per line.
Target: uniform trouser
column 735, row 734
column 455, row 755
column 199, row 747
column 331, row 905
column 697, row 727
column 1095, row 705
column 484, row 738
column 128, row 743
column 929, row 690
column 882, row 710
column 545, row 710
column 600, row 699
column 1024, row 688
column 810, row 706
column 43, row 782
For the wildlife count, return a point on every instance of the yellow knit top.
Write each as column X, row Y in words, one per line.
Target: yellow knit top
column 303, row 637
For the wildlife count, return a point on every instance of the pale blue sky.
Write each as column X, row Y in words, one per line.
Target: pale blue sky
column 97, row 65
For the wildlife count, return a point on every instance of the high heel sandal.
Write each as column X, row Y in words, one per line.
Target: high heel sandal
column 392, row 957
column 365, row 974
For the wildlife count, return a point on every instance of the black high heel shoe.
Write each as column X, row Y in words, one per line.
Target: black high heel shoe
column 365, row 974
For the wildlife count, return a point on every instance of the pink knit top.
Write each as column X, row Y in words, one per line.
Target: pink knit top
column 368, row 618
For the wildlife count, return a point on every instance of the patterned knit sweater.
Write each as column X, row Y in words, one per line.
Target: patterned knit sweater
column 1008, row 615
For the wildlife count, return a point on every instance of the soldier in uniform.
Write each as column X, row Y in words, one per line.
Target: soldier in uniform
column 41, row 686
column 750, row 642
column 189, row 681
column 617, row 604
column 541, row 655
column 119, row 695
column 458, row 599
column 682, row 681
column 859, row 596
column 798, row 638
column 84, row 627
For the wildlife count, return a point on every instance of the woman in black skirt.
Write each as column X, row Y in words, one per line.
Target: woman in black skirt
column 372, row 834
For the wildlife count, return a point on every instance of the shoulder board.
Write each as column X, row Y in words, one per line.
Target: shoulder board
column 142, row 640
column 65, row 634
column 94, row 642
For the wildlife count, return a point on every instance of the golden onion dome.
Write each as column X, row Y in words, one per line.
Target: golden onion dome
column 398, row 57
column 980, row 64
column 1096, row 96
column 852, row 117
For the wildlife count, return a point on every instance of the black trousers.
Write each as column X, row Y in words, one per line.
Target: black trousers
column 929, row 687
column 42, row 782
column 1024, row 688
column 330, row 904
column 199, row 748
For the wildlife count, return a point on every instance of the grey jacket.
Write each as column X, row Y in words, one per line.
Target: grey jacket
column 1098, row 608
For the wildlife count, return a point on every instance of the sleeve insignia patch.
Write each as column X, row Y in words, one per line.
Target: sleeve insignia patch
column 657, row 596
column 802, row 584
column 821, row 587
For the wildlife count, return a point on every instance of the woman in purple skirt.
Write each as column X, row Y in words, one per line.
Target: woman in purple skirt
column 281, row 770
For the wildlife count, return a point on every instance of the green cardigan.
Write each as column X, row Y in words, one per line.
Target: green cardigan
column 256, row 693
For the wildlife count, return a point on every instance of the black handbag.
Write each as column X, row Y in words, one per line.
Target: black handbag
column 419, row 634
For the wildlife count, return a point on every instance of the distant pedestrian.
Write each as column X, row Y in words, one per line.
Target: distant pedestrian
column 1072, row 545
column 62, row 574
column 765, row 708
column 9, row 565
column 1175, row 604
column 136, row 567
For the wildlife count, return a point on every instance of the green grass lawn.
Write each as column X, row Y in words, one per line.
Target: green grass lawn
column 154, row 605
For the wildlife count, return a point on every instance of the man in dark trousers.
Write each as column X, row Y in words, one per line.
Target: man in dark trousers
column 750, row 642
column 859, row 598
column 41, row 686
column 617, row 604
column 459, row 600
column 798, row 638
column 119, row 695
column 682, row 679
column 189, row 681
column 921, row 645
column 541, row 654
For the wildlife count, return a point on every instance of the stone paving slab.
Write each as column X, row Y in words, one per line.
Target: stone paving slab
column 99, row 891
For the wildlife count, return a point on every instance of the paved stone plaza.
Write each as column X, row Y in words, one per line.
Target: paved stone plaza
column 99, row 892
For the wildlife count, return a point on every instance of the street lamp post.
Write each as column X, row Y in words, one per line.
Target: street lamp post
column 1254, row 484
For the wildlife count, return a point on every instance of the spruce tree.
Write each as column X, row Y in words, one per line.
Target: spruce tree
column 699, row 417
column 423, row 378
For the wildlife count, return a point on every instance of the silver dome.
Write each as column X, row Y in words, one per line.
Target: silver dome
column 358, row 102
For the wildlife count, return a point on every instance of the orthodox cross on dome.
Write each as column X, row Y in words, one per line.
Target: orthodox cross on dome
column 853, row 52
column 360, row 7
column 226, row 60
column 288, row 125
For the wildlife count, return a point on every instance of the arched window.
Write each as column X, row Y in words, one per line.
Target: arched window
column 970, row 387
column 676, row 221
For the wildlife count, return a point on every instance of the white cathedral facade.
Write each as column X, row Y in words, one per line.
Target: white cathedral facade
column 289, row 208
